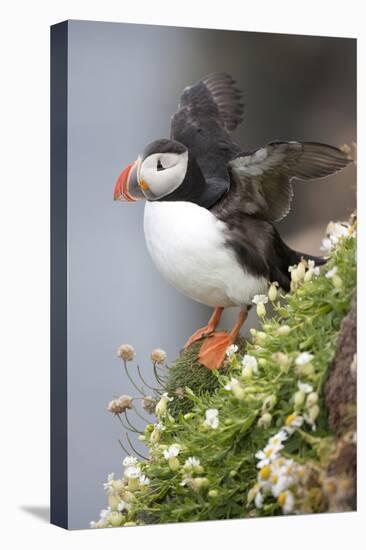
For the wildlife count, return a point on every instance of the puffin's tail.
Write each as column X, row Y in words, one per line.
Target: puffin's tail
column 285, row 257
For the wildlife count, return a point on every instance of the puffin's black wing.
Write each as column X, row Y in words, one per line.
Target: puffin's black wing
column 207, row 112
column 261, row 180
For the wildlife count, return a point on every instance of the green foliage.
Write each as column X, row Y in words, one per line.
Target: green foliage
column 219, row 487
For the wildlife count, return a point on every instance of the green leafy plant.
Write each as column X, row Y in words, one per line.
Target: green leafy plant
column 250, row 439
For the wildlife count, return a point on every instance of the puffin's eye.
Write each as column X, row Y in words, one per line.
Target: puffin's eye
column 159, row 166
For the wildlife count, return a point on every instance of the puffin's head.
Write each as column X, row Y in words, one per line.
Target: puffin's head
column 159, row 170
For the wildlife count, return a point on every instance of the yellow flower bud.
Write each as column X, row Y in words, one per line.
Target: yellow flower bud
column 308, row 275
column 239, row 392
column 265, row 420
column 269, row 403
column 283, row 330
column 115, row 519
column 130, row 524
column 308, row 370
column 260, row 337
column 294, row 276
column 312, row 399
column 174, row 463
column 283, row 360
column 300, row 270
column 198, row 483
column 161, row 407
column 213, row 493
column 118, row 485
column 113, row 502
column 272, row 293
column 299, row 399
column 133, row 484
column 261, row 310
column 155, row 436
column 314, row 412
column 128, row 496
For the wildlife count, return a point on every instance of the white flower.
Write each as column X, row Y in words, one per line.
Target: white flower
column 162, row 405
column 159, row 427
column 329, row 274
column 211, row 418
column 172, row 451
column 234, row 382
column 144, row 480
column 186, row 480
column 278, row 438
column 339, row 230
column 326, row 245
column 281, row 483
column 132, row 472
column 312, row 267
column 260, row 299
column 312, row 270
column 258, row 500
column 231, row 350
column 104, row 514
column 306, row 388
column 129, row 461
column 269, row 453
column 158, row 356
column 292, row 422
column 312, row 415
column 108, row 487
column 236, row 387
column 192, row 462
column 286, row 501
column 335, row 231
column 304, row 358
column 126, row 352
column 251, row 362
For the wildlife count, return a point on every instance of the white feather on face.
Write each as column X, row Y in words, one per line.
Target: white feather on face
column 163, row 173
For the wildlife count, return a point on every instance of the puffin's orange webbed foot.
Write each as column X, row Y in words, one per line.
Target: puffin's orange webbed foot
column 213, row 350
column 208, row 329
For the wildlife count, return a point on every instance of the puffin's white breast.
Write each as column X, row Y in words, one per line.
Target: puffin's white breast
column 187, row 245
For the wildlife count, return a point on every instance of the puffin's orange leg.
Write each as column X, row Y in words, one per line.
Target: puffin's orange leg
column 213, row 349
column 210, row 327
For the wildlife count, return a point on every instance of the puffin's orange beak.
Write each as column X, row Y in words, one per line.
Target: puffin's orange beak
column 126, row 188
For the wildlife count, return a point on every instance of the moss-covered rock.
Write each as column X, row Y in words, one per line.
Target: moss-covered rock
column 186, row 371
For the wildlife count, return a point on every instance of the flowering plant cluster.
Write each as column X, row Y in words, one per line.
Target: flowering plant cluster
column 256, row 444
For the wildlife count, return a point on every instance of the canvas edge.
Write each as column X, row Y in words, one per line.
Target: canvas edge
column 58, row 359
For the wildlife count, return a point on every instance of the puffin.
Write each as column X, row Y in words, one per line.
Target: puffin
column 210, row 207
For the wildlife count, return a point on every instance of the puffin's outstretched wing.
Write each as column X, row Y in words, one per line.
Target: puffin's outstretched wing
column 261, row 180
column 208, row 110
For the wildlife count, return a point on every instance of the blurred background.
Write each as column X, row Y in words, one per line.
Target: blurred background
column 124, row 84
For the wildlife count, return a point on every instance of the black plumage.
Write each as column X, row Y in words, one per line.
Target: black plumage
column 247, row 191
